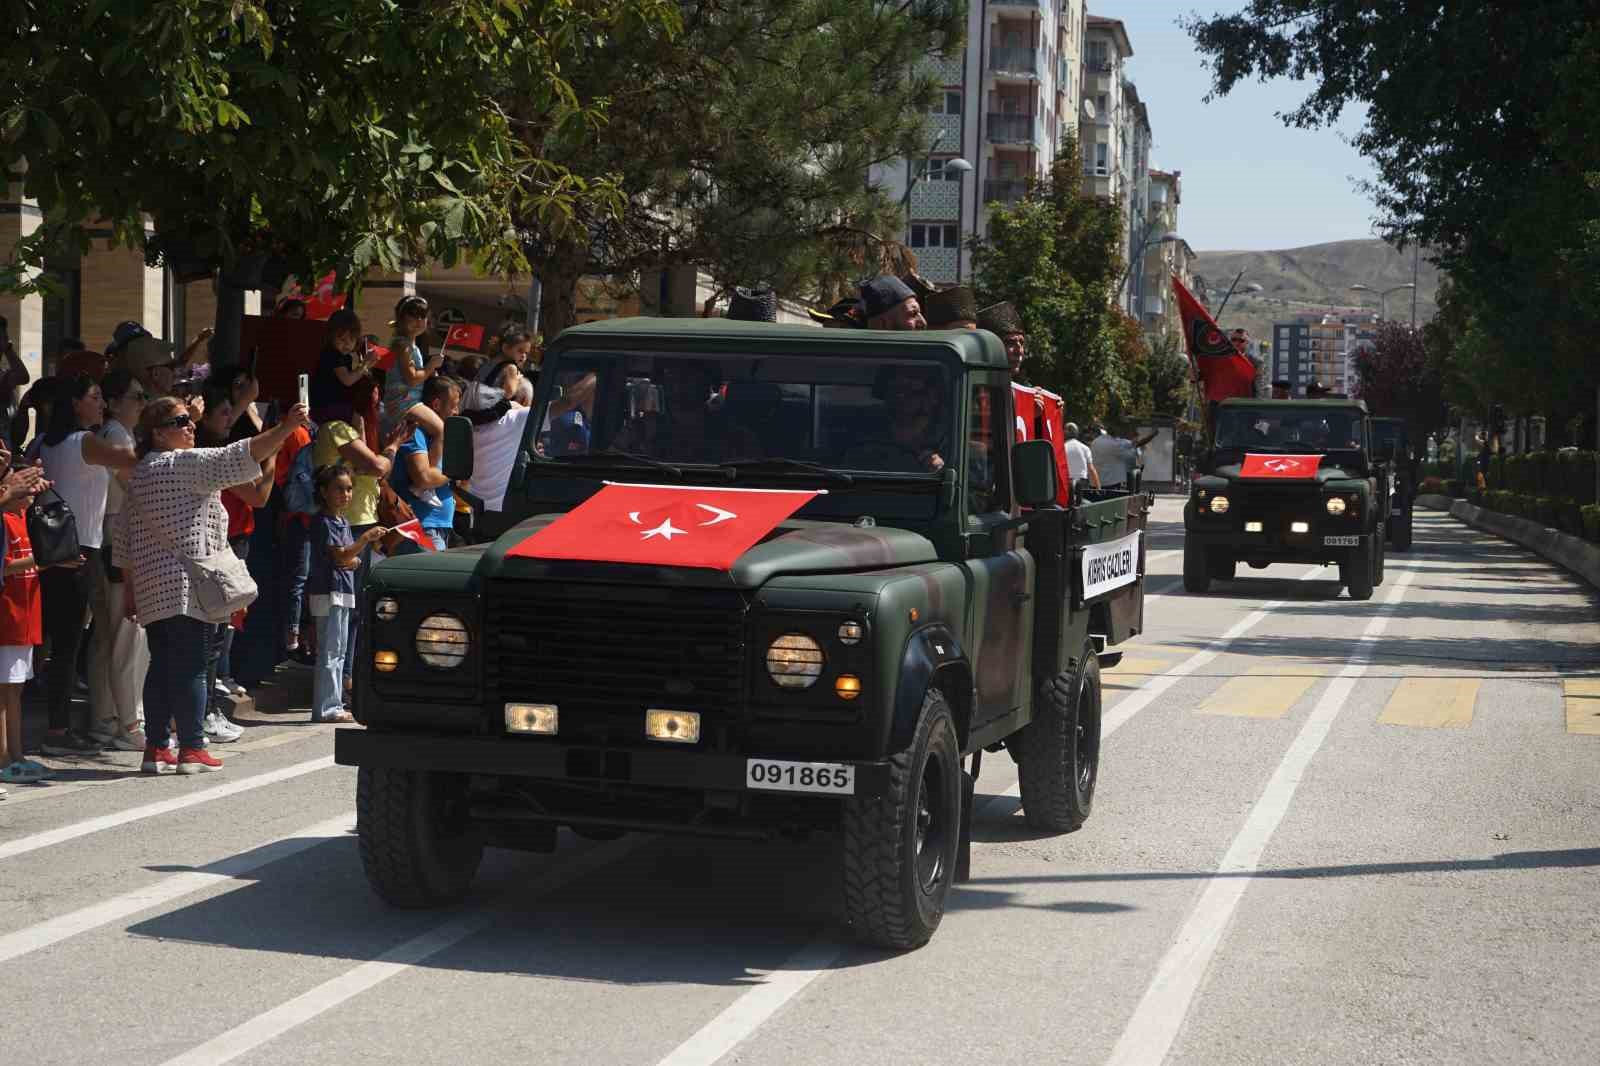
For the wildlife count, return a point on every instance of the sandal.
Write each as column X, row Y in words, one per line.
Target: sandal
column 339, row 718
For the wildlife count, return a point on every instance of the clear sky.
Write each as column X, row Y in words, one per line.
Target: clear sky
column 1249, row 181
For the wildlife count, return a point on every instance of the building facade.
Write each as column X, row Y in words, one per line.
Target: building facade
column 1001, row 108
column 1320, row 347
column 1161, row 260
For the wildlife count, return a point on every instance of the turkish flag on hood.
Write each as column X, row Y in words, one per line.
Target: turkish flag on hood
column 1224, row 373
column 1281, row 466
column 665, row 525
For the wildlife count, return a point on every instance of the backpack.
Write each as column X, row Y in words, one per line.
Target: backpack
column 299, row 488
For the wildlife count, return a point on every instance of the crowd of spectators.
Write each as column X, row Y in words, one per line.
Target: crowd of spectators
column 162, row 460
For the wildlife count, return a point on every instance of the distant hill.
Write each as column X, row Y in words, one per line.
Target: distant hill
column 1317, row 277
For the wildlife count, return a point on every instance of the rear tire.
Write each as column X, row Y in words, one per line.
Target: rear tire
column 1196, row 573
column 900, row 848
column 418, row 846
column 1402, row 534
column 1356, row 572
column 1060, row 761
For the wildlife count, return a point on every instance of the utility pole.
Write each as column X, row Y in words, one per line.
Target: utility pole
column 1416, row 256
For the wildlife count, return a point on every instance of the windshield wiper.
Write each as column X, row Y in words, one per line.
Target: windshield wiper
column 739, row 466
column 613, row 457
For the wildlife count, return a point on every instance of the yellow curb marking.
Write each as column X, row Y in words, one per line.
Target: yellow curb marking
column 1265, row 692
column 1432, row 703
column 1583, row 705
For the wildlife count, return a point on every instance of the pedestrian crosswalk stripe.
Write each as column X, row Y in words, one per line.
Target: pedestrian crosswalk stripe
column 1583, row 705
column 1265, row 692
column 1137, row 666
column 1432, row 703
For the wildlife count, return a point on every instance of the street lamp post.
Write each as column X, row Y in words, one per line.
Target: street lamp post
column 1169, row 237
column 1252, row 287
column 959, row 165
column 1383, row 298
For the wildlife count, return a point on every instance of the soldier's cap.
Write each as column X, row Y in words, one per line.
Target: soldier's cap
column 753, row 305
column 884, row 294
column 126, row 331
column 1281, row 384
column 142, row 353
column 943, row 307
column 1000, row 318
column 920, row 286
column 846, row 314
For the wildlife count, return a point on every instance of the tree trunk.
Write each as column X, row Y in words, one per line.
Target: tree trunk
column 229, row 325
column 558, row 303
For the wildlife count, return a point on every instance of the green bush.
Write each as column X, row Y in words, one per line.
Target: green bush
column 1591, row 522
column 1569, row 517
column 1454, row 489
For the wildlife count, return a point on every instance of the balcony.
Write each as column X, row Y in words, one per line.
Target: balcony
column 936, row 201
column 1014, row 129
column 938, row 264
column 1016, row 62
column 1000, row 191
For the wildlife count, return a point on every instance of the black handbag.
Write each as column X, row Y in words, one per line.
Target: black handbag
column 53, row 530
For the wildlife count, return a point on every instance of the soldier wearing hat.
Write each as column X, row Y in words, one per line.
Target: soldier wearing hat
column 846, row 314
column 888, row 303
column 952, row 308
column 1002, row 320
column 753, row 305
column 1281, row 389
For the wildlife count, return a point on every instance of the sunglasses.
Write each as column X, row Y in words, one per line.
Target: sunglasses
column 179, row 422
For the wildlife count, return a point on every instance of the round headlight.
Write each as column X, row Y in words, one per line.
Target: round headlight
column 794, row 660
column 1219, row 505
column 1336, row 505
column 442, row 641
column 387, row 609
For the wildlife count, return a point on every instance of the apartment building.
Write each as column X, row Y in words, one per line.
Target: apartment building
column 1001, row 109
column 1320, row 346
column 1105, row 123
column 1160, row 260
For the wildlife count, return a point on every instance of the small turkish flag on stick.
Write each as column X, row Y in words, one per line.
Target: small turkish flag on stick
column 665, row 525
column 412, row 531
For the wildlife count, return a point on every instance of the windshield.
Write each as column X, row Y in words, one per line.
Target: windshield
column 1289, row 429
column 845, row 414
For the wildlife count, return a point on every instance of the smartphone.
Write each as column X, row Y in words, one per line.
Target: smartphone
column 305, row 391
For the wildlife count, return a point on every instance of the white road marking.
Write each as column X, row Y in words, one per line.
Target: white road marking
column 266, row 1027
column 50, row 837
column 745, row 1014
column 233, row 868
column 1160, row 1014
column 751, row 1010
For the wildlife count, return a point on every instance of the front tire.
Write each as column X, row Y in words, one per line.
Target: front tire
column 1061, row 749
column 1196, row 572
column 418, row 846
column 1222, row 568
column 900, row 848
column 1356, row 571
column 1401, row 534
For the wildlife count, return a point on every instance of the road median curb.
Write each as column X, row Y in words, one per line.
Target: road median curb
column 1563, row 549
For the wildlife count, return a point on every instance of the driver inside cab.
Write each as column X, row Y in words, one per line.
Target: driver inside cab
column 912, row 438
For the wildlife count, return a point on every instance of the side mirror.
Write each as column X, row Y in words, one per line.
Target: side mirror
column 1033, row 472
column 457, row 461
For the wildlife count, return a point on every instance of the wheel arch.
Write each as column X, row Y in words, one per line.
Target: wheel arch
column 933, row 658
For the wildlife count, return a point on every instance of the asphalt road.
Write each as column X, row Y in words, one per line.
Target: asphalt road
column 1325, row 832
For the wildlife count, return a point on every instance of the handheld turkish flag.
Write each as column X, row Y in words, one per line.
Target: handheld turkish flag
column 465, row 336
column 1224, row 372
column 1026, row 400
column 1298, row 467
column 322, row 301
column 665, row 525
column 412, row 531
column 385, row 360
column 1053, row 420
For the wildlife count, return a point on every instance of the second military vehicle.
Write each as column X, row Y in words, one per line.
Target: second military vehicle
column 1288, row 481
column 1391, row 437
column 751, row 580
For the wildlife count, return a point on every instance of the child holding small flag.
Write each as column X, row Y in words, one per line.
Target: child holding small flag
column 335, row 555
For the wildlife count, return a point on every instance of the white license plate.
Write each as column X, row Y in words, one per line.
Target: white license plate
column 775, row 775
column 1341, row 542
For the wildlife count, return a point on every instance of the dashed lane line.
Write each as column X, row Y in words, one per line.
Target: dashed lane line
column 270, row 1025
column 23, row 845
column 231, row 869
column 753, row 1008
column 1155, row 1023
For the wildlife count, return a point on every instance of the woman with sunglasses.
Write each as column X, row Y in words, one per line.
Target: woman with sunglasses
column 175, row 505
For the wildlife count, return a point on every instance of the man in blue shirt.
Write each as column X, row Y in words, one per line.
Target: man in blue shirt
column 416, row 470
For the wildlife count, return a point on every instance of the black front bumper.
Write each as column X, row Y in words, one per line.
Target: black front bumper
column 1278, row 546
column 547, row 758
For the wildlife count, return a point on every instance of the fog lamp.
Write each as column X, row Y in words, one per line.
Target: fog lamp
column 386, row 662
column 847, row 687
column 1299, row 527
column 387, row 609
column 674, row 727
column 851, row 632
column 532, row 718
column 1219, row 505
column 1336, row 505
column 1252, row 527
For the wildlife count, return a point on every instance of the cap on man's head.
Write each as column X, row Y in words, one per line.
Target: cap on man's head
column 125, row 332
column 944, row 307
column 1281, row 384
column 753, row 305
column 1316, row 388
column 1000, row 318
column 846, row 314
column 883, row 294
column 144, row 351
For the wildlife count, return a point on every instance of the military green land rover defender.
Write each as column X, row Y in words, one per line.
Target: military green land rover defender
column 1391, row 437
column 1288, row 481
column 845, row 673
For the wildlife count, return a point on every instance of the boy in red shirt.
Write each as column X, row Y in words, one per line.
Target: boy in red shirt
column 20, row 630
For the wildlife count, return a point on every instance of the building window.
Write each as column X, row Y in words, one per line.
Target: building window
column 1098, row 56
column 950, row 105
column 935, row 236
column 938, row 170
column 1102, row 106
column 1102, row 157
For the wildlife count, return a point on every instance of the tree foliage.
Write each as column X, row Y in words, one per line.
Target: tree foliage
column 1480, row 122
column 1056, row 255
column 1397, row 376
column 353, row 132
column 740, row 144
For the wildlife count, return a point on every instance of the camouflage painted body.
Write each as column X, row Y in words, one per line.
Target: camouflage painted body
column 944, row 600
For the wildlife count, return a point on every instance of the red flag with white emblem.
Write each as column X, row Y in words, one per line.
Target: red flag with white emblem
column 1280, row 466
column 1053, row 421
column 412, row 531
column 665, row 525
column 1026, row 400
column 1224, row 371
column 464, row 336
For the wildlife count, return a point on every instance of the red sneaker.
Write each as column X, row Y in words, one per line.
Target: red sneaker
column 161, row 760
column 197, row 761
